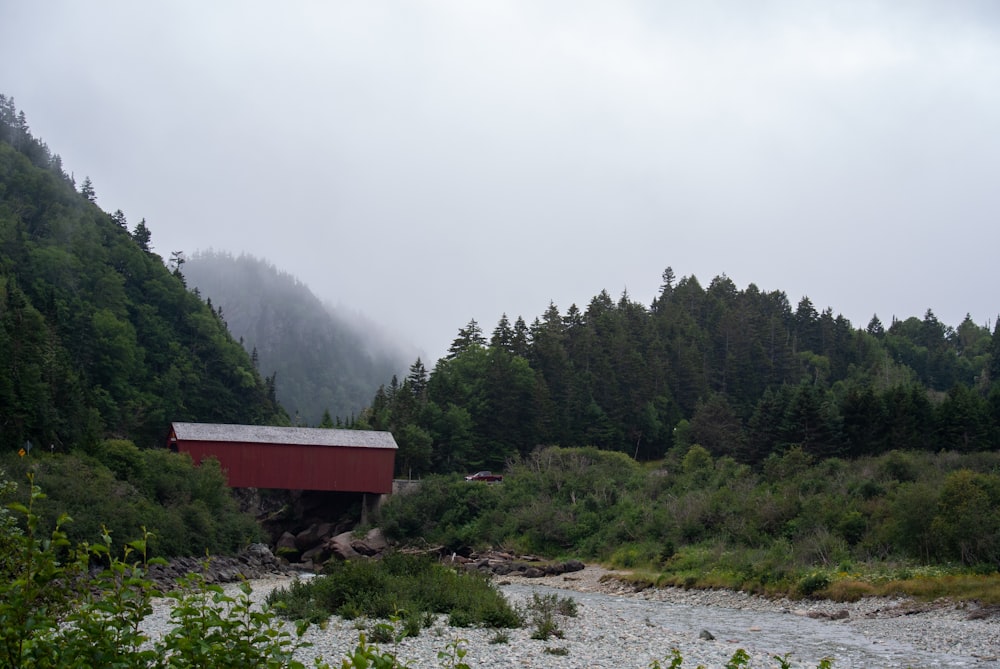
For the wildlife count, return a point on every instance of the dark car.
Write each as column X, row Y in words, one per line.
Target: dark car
column 489, row 477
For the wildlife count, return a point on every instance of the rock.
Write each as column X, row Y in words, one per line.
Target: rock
column 307, row 538
column 258, row 555
column 340, row 547
column 362, row 548
column 706, row 635
column 325, row 530
column 316, row 554
column 823, row 615
column 256, row 561
column 285, row 546
column 376, row 540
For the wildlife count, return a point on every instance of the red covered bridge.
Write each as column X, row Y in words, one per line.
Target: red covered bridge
column 292, row 458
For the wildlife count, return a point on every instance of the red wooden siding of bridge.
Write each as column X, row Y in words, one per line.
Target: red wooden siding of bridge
column 292, row 458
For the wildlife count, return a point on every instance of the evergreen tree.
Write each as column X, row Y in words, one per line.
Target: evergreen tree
column 963, row 422
column 864, row 422
column 994, row 363
column 807, row 332
column 810, row 421
column 764, row 434
column 471, row 336
column 418, row 379
column 716, row 427
column 87, row 190
column 102, row 340
column 119, row 219
column 142, row 236
column 520, row 341
column 503, row 335
column 875, row 327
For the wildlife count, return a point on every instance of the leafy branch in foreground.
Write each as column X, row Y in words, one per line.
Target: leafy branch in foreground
column 739, row 660
column 55, row 613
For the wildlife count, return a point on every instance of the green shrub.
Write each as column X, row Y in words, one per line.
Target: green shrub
column 53, row 616
column 188, row 509
column 540, row 611
column 398, row 582
column 813, row 583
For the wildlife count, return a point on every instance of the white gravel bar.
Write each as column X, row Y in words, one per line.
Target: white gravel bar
column 617, row 628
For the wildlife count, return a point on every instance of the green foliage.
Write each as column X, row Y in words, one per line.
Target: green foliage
column 967, row 525
column 97, row 336
column 52, row 615
column 739, row 658
column 813, row 583
column 212, row 629
column 10, row 533
column 738, row 373
column 447, row 511
column 38, row 589
column 399, row 582
column 80, row 606
column 699, row 520
column 541, row 613
column 123, row 489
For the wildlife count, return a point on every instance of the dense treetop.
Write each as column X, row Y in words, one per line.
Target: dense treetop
column 97, row 336
column 742, row 373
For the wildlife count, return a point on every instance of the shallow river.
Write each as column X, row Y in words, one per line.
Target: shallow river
column 808, row 640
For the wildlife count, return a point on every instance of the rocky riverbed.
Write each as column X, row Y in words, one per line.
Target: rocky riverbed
column 618, row 628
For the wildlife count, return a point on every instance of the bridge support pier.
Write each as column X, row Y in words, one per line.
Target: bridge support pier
column 369, row 504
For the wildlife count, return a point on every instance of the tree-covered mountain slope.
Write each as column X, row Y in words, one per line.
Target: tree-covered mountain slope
column 98, row 337
column 740, row 372
column 320, row 360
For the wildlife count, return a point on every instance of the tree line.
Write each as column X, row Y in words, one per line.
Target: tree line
column 739, row 372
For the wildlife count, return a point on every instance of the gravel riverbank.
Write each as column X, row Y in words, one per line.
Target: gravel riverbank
column 617, row 628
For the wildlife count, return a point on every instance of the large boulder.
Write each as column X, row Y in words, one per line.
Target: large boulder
column 340, row 547
column 376, row 540
column 317, row 554
column 307, row 538
column 286, row 547
column 373, row 544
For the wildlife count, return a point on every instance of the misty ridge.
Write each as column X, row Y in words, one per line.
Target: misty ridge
column 321, row 358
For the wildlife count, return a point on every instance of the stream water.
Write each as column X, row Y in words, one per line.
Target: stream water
column 774, row 633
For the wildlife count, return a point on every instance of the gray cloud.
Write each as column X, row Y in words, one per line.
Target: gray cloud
column 430, row 162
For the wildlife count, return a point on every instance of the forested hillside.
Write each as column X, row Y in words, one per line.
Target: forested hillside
column 740, row 372
column 320, row 360
column 98, row 337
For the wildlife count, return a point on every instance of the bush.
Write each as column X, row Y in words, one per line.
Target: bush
column 541, row 610
column 398, row 584
column 52, row 614
column 813, row 583
column 189, row 510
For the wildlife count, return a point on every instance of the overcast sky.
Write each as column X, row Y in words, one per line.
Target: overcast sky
column 430, row 162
